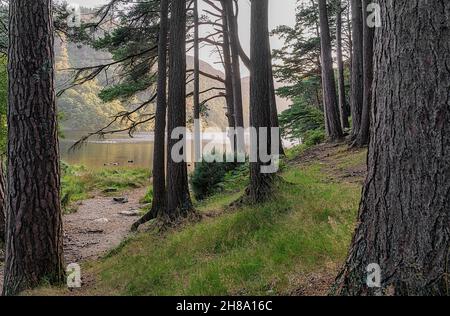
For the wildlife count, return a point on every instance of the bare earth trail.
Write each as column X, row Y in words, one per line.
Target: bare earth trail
column 97, row 227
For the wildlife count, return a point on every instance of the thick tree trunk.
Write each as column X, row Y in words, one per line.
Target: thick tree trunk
column 368, row 35
column 237, row 87
column 357, row 88
column 331, row 109
column 179, row 200
column 260, row 183
column 159, row 176
column 2, row 203
column 34, row 243
column 404, row 214
column 341, row 81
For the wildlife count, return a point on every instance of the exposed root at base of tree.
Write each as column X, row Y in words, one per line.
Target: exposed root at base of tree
column 161, row 221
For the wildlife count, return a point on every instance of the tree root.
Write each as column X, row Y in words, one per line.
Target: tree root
column 164, row 221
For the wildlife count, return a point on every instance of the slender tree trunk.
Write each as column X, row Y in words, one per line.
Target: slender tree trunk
column 273, row 103
column 159, row 177
column 341, row 80
column 237, row 87
column 2, row 203
column 34, row 242
column 331, row 109
column 368, row 35
column 260, row 111
column 357, row 88
column 179, row 200
column 197, row 131
column 228, row 70
column 404, row 214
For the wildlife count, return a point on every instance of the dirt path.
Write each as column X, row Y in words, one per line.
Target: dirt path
column 97, row 227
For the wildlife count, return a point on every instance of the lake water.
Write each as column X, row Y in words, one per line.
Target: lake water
column 116, row 150
column 113, row 150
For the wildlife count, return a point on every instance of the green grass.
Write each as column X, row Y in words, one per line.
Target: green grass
column 266, row 249
column 79, row 183
column 254, row 250
column 350, row 161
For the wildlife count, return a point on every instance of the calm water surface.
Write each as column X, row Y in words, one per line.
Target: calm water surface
column 112, row 150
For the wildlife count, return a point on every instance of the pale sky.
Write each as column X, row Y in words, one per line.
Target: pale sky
column 281, row 12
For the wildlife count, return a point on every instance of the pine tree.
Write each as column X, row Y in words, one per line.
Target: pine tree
column 34, row 248
column 404, row 212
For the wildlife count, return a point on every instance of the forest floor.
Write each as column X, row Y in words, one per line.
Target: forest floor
column 293, row 245
column 98, row 225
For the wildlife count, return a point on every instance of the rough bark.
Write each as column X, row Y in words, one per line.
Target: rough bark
column 34, row 243
column 331, row 109
column 2, row 203
column 159, row 177
column 340, row 62
column 260, row 183
column 228, row 69
column 357, row 88
column 404, row 214
column 179, row 200
column 368, row 35
column 236, row 69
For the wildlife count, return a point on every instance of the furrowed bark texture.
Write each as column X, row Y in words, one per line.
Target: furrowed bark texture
column 179, row 200
column 357, row 88
column 34, row 243
column 404, row 214
column 260, row 183
column 331, row 109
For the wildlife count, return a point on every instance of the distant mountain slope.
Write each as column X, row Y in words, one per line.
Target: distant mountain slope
column 82, row 109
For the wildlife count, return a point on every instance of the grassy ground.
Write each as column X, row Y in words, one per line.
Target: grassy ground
column 79, row 183
column 291, row 245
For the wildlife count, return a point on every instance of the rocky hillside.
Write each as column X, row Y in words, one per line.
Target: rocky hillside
column 81, row 108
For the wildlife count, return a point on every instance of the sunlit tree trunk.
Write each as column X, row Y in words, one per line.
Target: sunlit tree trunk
column 403, row 223
column 34, row 240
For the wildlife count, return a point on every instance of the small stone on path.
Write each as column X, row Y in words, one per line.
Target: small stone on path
column 121, row 200
column 130, row 213
column 101, row 220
